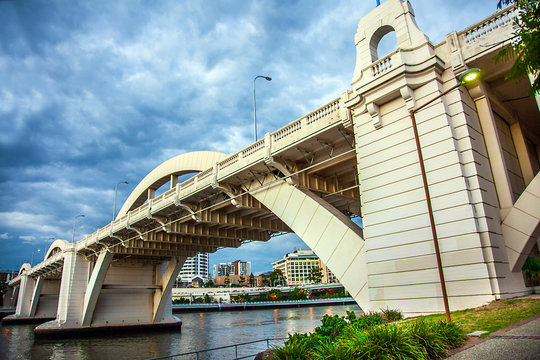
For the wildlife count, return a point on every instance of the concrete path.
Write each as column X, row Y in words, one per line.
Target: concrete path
column 521, row 342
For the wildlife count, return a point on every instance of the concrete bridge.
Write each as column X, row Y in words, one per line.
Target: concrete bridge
column 356, row 155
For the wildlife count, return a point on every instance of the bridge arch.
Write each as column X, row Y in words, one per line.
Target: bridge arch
column 384, row 32
column 56, row 246
column 192, row 162
column 24, row 268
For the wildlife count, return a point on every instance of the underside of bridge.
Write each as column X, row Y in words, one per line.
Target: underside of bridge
column 356, row 156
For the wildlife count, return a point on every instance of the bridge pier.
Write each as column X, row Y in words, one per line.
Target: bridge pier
column 36, row 299
column 101, row 295
column 333, row 236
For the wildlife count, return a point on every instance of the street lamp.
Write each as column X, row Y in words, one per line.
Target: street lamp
column 32, row 260
column 115, row 191
column 467, row 77
column 267, row 78
column 75, row 222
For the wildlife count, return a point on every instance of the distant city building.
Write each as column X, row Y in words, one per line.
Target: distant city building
column 194, row 269
column 237, row 267
column 296, row 268
column 238, row 280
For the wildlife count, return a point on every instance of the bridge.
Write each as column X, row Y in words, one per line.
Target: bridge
column 355, row 156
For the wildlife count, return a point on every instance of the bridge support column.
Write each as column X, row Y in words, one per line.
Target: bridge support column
column 103, row 295
column 72, row 288
column 25, row 297
column 162, row 295
column 27, row 300
column 93, row 288
column 35, row 296
column 330, row 234
column 521, row 227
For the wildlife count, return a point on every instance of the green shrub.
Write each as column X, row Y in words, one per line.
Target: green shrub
column 390, row 315
column 452, row 333
column 329, row 350
column 368, row 321
column 390, row 341
column 427, row 336
column 293, row 350
column 331, row 326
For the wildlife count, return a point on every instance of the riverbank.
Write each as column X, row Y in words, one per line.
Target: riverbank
column 182, row 308
column 423, row 337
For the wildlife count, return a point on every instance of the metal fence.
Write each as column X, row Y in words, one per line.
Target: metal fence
column 237, row 356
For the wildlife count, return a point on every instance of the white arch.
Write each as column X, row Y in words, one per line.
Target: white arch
column 376, row 39
column 191, row 162
column 24, row 268
column 57, row 244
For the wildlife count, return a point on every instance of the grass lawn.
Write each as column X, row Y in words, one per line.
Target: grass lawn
column 494, row 316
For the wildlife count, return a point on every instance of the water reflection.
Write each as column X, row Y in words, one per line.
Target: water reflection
column 199, row 331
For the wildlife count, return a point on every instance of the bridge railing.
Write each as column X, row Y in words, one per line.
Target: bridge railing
column 491, row 31
column 235, row 348
column 257, row 152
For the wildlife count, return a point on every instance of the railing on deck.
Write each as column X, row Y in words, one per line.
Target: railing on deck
column 300, row 128
column 221, row 348
column 497, row 21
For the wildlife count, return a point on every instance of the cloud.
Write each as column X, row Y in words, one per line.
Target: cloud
column 21, row 221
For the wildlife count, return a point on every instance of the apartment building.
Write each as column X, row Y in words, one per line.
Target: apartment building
column 296, row 268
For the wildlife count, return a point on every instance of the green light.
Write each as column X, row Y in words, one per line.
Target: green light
column 469, row 76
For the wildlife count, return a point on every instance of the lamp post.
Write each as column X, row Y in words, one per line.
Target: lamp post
column 267, row 78
column 115, row 191
column 467, row 77
column 32, row 260
column 75, row 222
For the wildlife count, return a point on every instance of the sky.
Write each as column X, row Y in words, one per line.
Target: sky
column 97, row 92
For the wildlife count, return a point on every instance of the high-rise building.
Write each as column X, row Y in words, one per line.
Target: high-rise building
column 195, row 268
column 237, row 267
column 241, row 267
column 297, row 266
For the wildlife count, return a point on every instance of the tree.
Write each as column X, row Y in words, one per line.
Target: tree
column 209, row 284
column 277, row 275
column 315, row 274
column 227, row 280
column 526, row 43
column 275, row 295
column 251, row 280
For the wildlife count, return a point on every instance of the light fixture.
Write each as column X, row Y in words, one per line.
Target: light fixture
column 267, row 78
column 115, row 191
column 469, row 76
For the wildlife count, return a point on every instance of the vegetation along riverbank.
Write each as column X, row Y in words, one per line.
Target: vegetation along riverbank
column 386, row 335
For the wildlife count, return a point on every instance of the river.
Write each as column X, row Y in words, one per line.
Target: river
column 199, row 331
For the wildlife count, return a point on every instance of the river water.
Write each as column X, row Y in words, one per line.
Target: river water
column 199, row 331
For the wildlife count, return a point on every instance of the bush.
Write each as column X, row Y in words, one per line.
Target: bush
column 390, row 315
column 275, row 295
column 452, row 333
column 390, row 341
column 331, row 326
column 297, row 294
column 372, row 336
column 332, row 350
column 293, row 350
column 425, row 335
